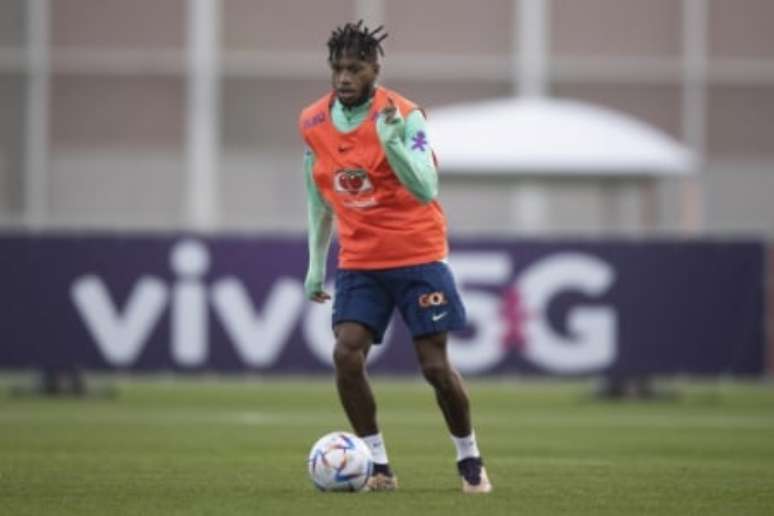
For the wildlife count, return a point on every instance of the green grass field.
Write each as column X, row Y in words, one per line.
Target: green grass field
column 227, row 447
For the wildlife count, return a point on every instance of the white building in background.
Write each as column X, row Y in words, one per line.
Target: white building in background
column 539, row 143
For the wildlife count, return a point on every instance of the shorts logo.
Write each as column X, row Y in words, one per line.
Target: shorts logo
column 438, row 317
column 432, row 299
column 353, row 181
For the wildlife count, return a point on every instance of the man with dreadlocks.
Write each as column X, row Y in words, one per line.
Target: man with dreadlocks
column 368, row 164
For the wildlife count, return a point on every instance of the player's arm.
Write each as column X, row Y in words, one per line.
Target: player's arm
column 408, row 151
column 320, row 228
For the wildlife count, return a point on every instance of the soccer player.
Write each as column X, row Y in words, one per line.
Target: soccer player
column 370, row 168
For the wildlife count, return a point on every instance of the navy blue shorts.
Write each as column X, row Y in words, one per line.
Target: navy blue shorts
column 425, row 295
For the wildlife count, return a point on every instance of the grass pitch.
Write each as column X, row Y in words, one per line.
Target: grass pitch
column 224, row 447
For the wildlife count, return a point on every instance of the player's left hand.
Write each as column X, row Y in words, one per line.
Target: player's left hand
column 389, row 111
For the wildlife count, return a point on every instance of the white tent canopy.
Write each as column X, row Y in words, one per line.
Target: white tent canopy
column 550, row 136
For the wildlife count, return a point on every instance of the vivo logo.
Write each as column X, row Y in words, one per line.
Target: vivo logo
column 258, row 335
column 504, row 312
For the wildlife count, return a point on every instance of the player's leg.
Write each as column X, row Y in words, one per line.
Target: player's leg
column 454, row 403
column 446, row 381
column 362, row 310
column 431, row 306
column 349, row 357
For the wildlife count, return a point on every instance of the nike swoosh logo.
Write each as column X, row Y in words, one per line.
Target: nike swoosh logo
column 438, row 317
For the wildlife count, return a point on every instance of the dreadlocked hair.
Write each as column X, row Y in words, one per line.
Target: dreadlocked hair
column 355, row 39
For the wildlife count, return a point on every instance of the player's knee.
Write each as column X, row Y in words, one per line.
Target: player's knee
column 352, row 336
column 438, row 374
column 348, row 354
column 347, row 359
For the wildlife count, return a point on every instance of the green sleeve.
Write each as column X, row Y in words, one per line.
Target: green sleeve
column 320, row 228
column 408, row 152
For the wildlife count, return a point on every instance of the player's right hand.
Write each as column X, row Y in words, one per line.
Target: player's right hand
column 320, row 296
column 313, row 287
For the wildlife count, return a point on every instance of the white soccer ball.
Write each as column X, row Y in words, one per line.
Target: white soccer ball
column 340, row 461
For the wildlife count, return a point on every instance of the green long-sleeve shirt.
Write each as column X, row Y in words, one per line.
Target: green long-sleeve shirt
column 408, row 152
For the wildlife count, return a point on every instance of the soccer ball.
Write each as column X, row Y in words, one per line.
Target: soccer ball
column 340, row 461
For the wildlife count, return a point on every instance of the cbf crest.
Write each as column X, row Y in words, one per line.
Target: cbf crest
column 353, row 181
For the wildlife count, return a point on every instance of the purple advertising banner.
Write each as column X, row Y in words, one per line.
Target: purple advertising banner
column 236, row 304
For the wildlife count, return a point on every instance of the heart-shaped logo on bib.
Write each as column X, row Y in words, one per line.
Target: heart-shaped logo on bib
column 353, row 181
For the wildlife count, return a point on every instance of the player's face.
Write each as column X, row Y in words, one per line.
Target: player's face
column 353, row 79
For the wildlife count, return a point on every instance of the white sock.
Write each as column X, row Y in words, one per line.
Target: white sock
column 466, row 446
column 378, row 449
